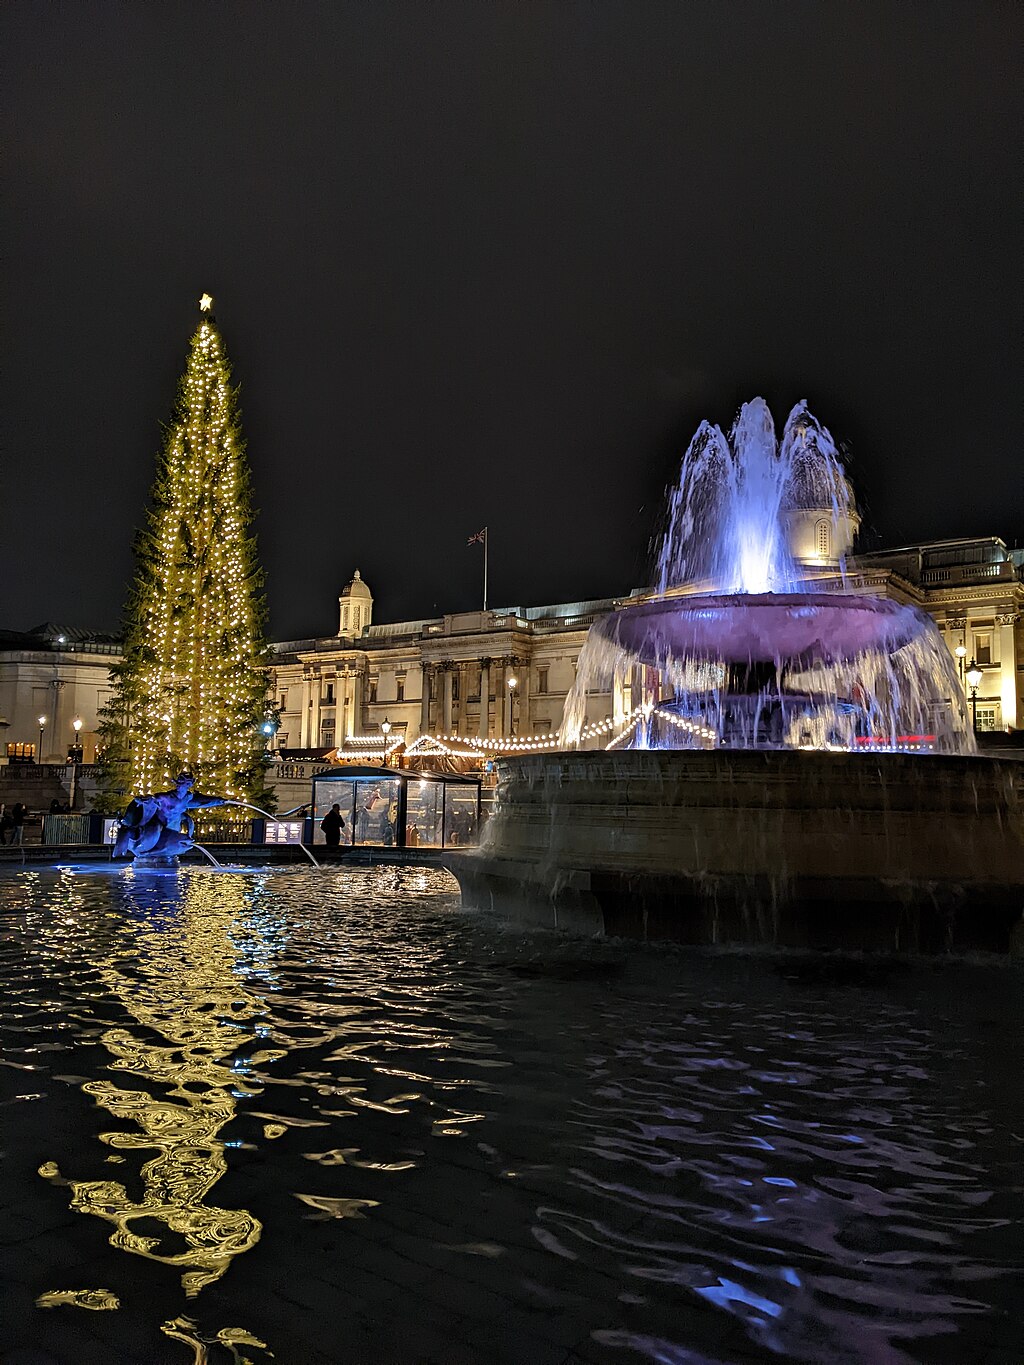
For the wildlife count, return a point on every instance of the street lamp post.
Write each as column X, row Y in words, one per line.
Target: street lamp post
column 961, row 655
column 974, row 676
column 42, row 727
column 385, row 729
column 513, row 683
column 76, row 758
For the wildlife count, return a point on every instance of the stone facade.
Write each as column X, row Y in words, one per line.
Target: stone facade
column 49, row 678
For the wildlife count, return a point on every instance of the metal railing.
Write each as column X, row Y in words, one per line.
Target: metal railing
column 65, row 829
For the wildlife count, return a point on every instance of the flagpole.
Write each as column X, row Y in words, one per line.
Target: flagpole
column 487, row 536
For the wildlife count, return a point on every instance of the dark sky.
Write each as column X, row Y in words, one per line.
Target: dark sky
column 490, row 263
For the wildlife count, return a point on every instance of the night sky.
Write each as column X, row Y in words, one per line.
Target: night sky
column 489, row 263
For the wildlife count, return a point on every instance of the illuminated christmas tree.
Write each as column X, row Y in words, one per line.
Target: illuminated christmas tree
column 191, row 691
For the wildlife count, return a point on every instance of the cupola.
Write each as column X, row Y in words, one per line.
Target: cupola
column 356, row 606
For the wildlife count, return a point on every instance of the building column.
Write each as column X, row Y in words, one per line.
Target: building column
column 620, row 696
column 485, row 696
column 501, row 673
column 1005, row 623
column 503, row 704
column 314, row 711
column 307, row 702
column 425, row 701
column 357, row 720
column 447, row 673
column 58, row 750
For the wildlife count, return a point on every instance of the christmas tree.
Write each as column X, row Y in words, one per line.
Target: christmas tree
column 191, row 690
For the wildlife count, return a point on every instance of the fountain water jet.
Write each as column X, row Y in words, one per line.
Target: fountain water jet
column 732, row 651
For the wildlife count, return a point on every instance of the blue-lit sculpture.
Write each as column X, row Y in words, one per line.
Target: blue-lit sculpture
column 158, row 827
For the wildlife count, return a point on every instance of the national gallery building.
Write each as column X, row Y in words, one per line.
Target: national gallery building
column 482, row 683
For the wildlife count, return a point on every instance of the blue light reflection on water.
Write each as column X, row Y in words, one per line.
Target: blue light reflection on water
column 382, row 1060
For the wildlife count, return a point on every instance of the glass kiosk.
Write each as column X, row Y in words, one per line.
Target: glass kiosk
column 388, row 808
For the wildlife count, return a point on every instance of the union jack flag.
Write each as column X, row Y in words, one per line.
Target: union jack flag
column 479, row 539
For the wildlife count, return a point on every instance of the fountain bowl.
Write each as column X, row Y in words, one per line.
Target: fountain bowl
column 766, row 848
column 807, row 627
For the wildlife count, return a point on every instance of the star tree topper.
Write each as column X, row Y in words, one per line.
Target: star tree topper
column 205, row 303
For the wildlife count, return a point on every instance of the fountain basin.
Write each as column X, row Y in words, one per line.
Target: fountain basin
column 770, row 847
column 738, row 627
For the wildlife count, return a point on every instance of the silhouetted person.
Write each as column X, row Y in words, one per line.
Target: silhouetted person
column 18, row 815
column 332, row 824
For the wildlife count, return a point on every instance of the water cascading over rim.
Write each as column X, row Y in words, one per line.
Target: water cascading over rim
column 750, row 639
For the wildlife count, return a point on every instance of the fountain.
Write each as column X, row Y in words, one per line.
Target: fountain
column 792, row 761
column 156, row 828
column 759, row 661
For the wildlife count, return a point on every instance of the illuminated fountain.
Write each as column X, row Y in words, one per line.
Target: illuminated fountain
column 156, row 828
column 789, row 762
column 732, row 650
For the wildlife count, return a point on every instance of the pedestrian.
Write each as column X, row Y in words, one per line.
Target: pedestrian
column 18, row 815
column 6, row 825
column 332, row 824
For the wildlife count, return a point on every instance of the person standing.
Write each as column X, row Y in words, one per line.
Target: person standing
column 18, row 814
column 332, row 824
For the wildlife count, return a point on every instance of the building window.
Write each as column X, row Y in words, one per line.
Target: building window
column 284, row 701
column 823, row 537
column 983, row 648
column 329, row 695
column 455, row 686
column 542, row 680
column 371, row 691
column 327, row 735
column 988, row 717
column 399, row 689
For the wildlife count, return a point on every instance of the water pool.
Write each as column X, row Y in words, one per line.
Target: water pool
column 329, row 1117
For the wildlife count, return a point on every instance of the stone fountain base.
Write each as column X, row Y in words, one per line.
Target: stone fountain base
column 812, row 850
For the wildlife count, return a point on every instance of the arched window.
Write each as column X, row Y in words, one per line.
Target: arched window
column 823, row 537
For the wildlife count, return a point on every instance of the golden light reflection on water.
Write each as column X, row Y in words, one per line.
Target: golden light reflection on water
column 175, row 971
column 187, row 1331
column 96, row 1299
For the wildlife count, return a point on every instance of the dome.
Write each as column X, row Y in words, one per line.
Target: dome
column 355, row 587
column 355, row 604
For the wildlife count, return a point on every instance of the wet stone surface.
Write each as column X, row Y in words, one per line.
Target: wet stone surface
column 328, row 1117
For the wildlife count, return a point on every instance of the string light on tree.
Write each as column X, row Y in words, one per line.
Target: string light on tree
column 191, row 690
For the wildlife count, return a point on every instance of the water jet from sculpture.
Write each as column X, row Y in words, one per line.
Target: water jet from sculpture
column 157, row 828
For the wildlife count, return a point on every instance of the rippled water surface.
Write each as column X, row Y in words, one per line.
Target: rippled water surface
column 327, row 1117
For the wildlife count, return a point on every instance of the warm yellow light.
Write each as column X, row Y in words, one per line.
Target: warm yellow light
column 206, row 303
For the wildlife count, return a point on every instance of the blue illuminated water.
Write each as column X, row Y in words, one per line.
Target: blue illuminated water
column 378, row 1129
